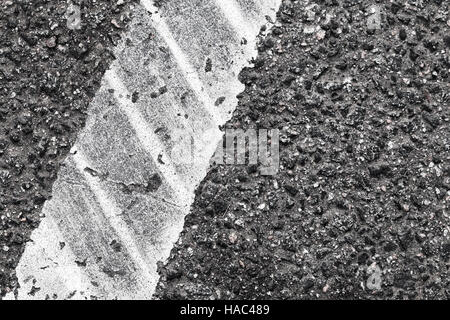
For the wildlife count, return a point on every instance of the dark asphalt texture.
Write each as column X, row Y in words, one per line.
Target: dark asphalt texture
column 48, row 76
column 360, row 207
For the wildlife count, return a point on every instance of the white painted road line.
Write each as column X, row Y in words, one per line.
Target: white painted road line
column 149, row 140
column 183, row 63
column 121, row 197
column 233, row 13
column 112, row 213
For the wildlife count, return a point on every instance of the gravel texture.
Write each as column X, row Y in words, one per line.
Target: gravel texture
column 360, row 207
column 48, row 75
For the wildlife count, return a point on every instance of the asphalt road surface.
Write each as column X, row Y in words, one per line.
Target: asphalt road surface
column 48, row 73
column 89, row 114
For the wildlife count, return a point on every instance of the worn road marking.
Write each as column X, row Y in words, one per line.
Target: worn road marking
column 112, row 213
column 121, row 196
column 186, row 68
column 148, row 139
column 233, row 13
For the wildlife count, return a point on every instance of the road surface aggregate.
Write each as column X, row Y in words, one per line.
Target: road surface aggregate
column 360, row 206
column 48, row 75
column 360, row 93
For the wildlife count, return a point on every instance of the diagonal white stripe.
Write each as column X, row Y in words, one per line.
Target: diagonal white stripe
column 113, row 214
column 149, row 140
column 185, row 66
column 233, row 13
